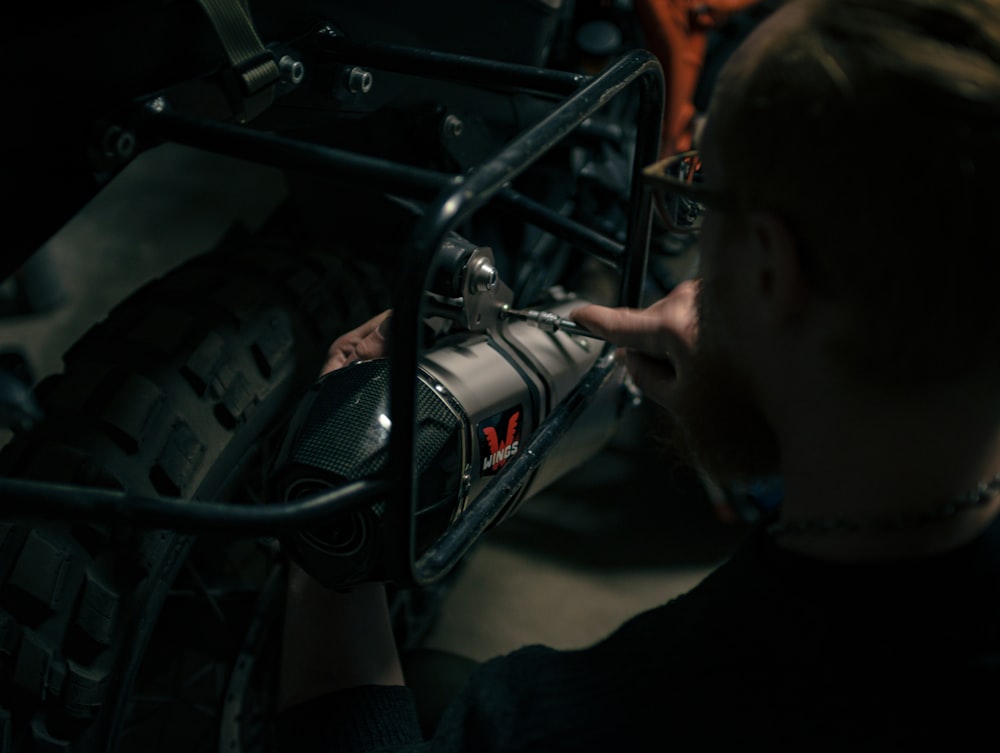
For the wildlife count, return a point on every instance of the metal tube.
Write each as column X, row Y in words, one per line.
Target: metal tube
column 448, row 66
column 582, row 237
column 640, row 208
column 290, row 154
column 442, row 215
column 29, row 499
column 457, row 540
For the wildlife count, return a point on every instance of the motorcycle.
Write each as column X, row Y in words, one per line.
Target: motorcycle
column 475, row 169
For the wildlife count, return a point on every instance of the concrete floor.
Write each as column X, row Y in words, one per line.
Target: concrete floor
column 625, row 533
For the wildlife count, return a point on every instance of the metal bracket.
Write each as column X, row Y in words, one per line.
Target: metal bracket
column 484, row 294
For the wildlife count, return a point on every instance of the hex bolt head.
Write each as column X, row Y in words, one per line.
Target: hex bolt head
column 125, row 144
column 118, row 143
column 359, row 80
column 452, row 126
column 291, row 70
column 485, row 278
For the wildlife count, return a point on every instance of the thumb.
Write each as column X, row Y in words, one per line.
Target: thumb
column 376, row 343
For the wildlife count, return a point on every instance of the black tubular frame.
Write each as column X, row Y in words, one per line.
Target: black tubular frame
column 444, row 214
column 447, row 66
column 453, row 199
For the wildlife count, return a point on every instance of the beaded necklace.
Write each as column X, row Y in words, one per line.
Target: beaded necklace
column 890, row 523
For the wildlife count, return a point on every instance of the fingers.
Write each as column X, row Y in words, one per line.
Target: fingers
column 665, row 327
column 658, row 340
column 628, row 328
column 361, row 343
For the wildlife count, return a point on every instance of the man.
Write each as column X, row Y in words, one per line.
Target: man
column 844, row 334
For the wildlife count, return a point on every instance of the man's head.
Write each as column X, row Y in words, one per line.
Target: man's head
column 871, row 128
column 860, row 140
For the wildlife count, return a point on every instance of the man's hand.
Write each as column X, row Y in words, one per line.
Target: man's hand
column 360, row 344
column 335, row 640
column 658, row 340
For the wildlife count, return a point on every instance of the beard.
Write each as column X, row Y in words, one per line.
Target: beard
column 717, row 425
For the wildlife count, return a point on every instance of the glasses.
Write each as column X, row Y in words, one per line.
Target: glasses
column 679, row 193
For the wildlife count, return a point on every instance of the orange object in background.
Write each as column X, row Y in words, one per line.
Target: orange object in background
column 677, row 33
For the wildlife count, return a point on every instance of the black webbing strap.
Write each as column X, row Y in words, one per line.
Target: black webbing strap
column 254, row 66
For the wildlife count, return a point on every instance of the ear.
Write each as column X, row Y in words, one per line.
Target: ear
column 777, row 270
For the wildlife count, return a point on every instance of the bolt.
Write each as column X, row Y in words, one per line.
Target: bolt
column 291, row 70
column 452, row 126
column 118, row 143
column 125, row 144
column 359, row 81
column 485, row 278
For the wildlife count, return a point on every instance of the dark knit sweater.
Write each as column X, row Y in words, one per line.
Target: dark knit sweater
column 772, row 651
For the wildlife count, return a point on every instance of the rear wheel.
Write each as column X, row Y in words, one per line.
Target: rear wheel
column 115, row 637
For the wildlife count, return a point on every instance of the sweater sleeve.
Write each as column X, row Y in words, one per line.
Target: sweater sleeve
column 358, row 720
column 534, row 697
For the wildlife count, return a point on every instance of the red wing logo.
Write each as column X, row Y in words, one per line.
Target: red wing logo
column 495, row 452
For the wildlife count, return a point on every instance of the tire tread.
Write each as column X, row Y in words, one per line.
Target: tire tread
column 158, row 399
